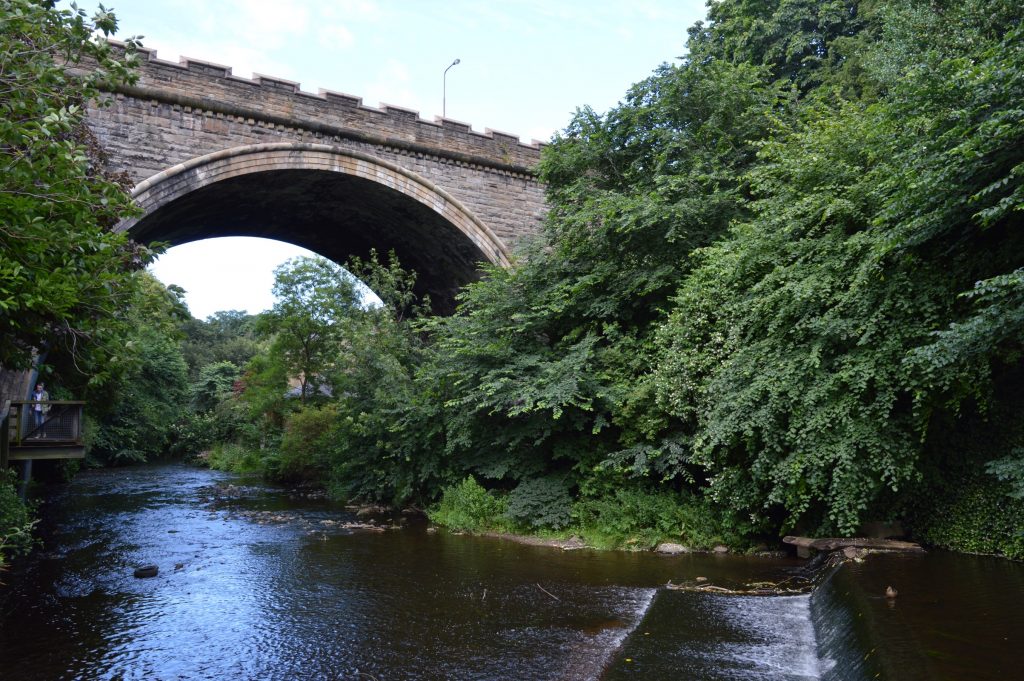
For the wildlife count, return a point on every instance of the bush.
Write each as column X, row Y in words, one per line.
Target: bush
column 468, row 507
column 15, row 520
column 305, row 444
column 978, row 516
column 198, row 432
column 640, row 519
column 541, row 503
column 235, row 458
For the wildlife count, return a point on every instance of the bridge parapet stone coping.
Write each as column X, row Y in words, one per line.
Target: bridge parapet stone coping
column 275, row 101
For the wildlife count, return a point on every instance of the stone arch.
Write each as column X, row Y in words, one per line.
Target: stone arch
column 353, row 201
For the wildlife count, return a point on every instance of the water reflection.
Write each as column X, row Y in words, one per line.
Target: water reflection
column 255, row 584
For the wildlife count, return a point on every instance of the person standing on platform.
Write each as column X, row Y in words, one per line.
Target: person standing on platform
column 39, row 408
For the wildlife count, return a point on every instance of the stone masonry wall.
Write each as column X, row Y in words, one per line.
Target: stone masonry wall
column 181, row 110
column 13, row 385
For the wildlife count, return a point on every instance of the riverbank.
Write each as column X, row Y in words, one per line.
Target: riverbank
column 978, row 520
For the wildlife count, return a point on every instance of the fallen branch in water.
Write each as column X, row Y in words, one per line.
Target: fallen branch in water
column 549, row 593
column 834, row 543
column 750, row 589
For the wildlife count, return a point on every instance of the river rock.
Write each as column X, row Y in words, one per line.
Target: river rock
column 144, row 571
column 671, row 549
column 853, row 552
column 371, row 510
column 720, row 548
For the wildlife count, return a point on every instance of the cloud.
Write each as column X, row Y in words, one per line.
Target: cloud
column 261, row 21
column 335, row 36
column 365, row 10
column 393, row 85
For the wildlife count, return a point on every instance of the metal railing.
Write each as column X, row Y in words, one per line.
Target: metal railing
column 54, row 423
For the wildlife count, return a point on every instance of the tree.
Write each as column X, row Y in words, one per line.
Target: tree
column 147, row 395
column 225, row 336
column 215, row 384
column 65, row 277
column 824, row 353
column 315, row 297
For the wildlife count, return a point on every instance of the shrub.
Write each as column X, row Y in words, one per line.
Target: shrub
column 306, row 442
column 15, row 519
column 978, row 516
column 541, row 503
column 235, row 458
column 196, row 432
column 469, row 507
column 641, row 518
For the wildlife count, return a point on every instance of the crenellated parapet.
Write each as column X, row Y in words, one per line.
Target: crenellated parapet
column 212, row 154
column 278, row 103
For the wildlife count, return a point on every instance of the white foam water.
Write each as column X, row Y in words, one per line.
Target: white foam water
column 714, row 637
column 779, row 641
column 587, row 661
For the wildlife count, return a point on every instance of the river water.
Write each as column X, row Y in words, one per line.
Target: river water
column 259, row 583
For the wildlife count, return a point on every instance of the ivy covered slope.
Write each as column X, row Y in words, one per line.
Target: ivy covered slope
column 821, row 352
column 783, row 276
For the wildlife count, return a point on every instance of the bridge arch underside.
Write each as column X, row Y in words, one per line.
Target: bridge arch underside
column 332, row 213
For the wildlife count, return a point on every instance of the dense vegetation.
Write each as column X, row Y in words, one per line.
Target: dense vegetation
column 66, row 279
column 780, row 288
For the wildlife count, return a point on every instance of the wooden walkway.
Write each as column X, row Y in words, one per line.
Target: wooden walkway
column 58, row 437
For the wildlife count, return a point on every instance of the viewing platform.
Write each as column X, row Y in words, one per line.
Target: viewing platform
column 59, row 436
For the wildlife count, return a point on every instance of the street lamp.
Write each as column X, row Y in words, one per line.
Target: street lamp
column 444, row 88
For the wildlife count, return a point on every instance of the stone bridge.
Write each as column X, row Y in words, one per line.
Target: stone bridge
column 213, row 154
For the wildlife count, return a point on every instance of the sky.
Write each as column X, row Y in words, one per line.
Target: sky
column 525, row 66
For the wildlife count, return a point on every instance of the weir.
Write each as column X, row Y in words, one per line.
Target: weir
column 845, row 629
column 846, row 646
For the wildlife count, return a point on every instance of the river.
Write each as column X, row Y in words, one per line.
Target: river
column 258, row 582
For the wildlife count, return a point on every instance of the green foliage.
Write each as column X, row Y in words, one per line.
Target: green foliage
column 235, row 458
column 468, row 507
column 639, row 518
column 1010, row 470
column 148, row 393
column 976, row 516
column 195, row 432
column 541, row 503
column 393, row 284
column 65, row 276
column 314, row 299
column 227, row 336
column 386, row 445
column 15, row 520
column 215, row 384
column 811, row 347
column 306, row 443
column 806, row 42
column 540, row 367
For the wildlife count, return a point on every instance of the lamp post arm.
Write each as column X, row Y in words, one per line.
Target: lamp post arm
column 444, row 89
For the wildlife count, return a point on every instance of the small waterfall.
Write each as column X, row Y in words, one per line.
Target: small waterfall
column 845, row 644
column 827, row 635
column 588, row 660
column 712, row 637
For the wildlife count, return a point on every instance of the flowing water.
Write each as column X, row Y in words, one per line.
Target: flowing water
column 258, row 583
